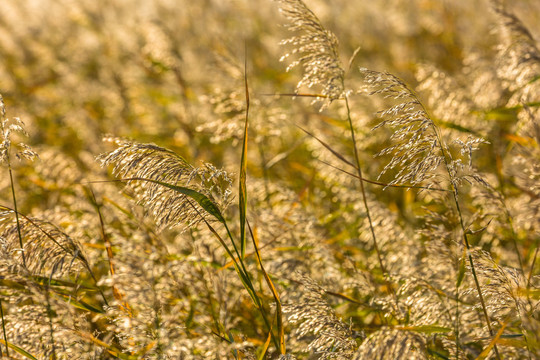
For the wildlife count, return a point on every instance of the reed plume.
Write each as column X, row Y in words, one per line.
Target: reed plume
column 318, row 50
column 48, row 249
column 333, row 339
column 137, row 162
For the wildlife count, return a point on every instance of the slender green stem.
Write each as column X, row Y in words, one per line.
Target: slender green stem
column 241, row 270
column 15, row 207
column 50, row 316
column 362, row 188
column 3, row 329
column 242, row 190
column 240, row 258
column 384, row 184
column 456, row 330
column 532, row 266
column 245, row 274
column 279, row 314
column 465, row 239
column 265, row 174
column 366, row 206
column 464, row 234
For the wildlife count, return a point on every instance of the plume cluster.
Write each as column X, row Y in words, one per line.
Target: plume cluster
column 317, row 48
column 401, row 222
column 146, row 167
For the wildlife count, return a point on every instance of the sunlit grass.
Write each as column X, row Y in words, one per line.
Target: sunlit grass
column 279, row 180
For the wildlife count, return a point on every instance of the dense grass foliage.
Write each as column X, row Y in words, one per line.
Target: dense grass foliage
column 269, row 179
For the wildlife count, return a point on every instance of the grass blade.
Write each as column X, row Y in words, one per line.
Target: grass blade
column 3, row 328
column 79, row 304
column 264, row 348
column 426, row 329
column 242, row 191
column 492, row 343
column 207, row 204
column 328, row 147
column 19, row 350
column 110, row 349
column 108, row 246
column 279, row 312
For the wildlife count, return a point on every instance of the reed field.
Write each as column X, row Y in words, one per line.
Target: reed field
column 270, row 179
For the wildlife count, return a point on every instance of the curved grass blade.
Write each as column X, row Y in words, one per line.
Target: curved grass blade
column 328, row 147
column 426, row 329
column 61, row 283
column 207, row 204
column 231, row 341
column 279, row 312
column 79, row 304
column 109, row 348
column 242, row 191
column 238, row 264
column 110, row 255
column 19, row 350
column 3, row 328
column 264, row 348
column 492, row 343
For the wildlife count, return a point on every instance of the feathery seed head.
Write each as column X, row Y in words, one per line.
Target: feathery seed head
column 136, row 162
column 519, row 53
column 417, row 151
column 334, row 339
column 47, row 248
column 392, row 344
column 7, row 128
column 318, row 50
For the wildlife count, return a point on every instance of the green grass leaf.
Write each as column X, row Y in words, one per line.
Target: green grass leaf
column 492, row 343
column 426, row 329
column 79, row 304
column 242, row 191
column 19, row 350
column 207, row 204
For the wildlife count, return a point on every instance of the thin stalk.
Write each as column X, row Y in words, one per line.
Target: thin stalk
column 514, row 239
column 108, row 247
column 362, row 189
column 464, row 233
column 317, row 96
column 50, row 316
column 242, row 190
column 265, row 174
column 532, row 267
column 241, row 270
column 240, row 258
column 502, row 199
column 3, row 329
column 256, row 299
column 366, row 206
column 12, row 183
column 456, row 330
column 275, row 294
column 513, row 233
column 381, row 183
column 521, row 267
column 465, row 239
column 157, row 321
column 345, row 161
